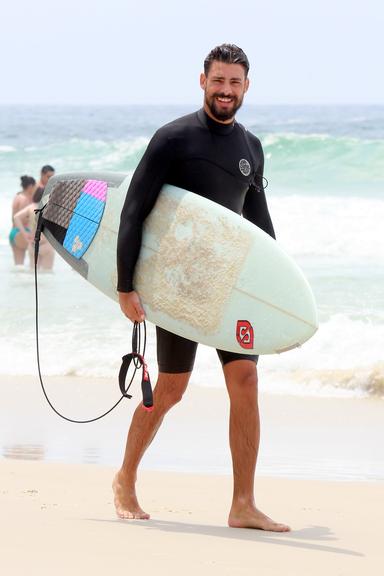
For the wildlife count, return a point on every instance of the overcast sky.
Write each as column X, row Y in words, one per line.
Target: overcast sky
column 147, row 51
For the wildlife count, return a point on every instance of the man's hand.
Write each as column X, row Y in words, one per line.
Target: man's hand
column 131, row 306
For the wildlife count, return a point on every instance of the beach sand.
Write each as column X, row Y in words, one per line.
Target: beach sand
column 59, row 519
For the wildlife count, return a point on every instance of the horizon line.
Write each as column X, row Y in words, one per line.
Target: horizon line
column 135, row 104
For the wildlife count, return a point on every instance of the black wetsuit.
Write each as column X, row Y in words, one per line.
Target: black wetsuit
column 221, row 162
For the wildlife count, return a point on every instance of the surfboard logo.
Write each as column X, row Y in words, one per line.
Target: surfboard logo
column 245, row 167
column 77, row 244
column 244, row 334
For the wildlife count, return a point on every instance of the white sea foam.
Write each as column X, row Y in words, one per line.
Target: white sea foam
column 6, row 149
column 344, row 358
column 280, row 138
column 343, row 228
column 325, row 227
column 118, row 153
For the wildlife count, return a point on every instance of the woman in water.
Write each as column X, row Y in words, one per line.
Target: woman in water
column 18, row 240
column 25, row 221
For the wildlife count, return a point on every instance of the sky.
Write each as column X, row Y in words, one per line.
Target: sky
column 152, row 52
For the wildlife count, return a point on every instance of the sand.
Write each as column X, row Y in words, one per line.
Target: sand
column 59, row 519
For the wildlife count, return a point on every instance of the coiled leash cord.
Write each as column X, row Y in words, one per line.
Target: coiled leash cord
column 136, row 355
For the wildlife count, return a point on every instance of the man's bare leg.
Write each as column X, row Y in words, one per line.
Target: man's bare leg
column 168, row 391
column 244, row 437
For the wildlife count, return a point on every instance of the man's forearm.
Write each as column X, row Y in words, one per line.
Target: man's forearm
column 128, row 250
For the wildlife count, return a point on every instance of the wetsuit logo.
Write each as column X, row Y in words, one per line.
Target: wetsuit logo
column 245, row 167
column 244, row 334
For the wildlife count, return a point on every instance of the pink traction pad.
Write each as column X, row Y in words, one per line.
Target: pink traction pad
column 96, row 188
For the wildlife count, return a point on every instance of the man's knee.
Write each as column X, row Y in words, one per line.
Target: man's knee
column 241, row 376
column 170, row 388
column 248, row 380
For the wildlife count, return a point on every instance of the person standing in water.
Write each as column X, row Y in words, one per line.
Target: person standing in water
column 46, row 173
column 19, row 241
column 46, row 251
column 25, row 221
column 210, row 154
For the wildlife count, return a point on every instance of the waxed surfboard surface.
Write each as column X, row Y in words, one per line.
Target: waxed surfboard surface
column 203, row 272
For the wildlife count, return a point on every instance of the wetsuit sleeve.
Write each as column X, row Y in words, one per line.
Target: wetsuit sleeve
column 143, row 191
column 255, row 207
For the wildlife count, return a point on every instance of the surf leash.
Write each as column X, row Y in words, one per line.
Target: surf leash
column 138, row 362
column 137, row 356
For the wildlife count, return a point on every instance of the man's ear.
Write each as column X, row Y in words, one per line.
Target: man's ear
column 203, row 80
column 246, row 85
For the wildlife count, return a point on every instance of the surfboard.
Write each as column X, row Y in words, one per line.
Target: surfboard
column 203, row 272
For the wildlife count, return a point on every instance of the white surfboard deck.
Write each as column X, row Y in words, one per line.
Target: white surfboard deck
column 203, row 272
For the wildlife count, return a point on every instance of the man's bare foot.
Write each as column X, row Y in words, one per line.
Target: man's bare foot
column 126, row 504
column 250, row 517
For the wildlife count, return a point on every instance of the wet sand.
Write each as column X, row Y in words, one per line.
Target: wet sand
column 302, row 437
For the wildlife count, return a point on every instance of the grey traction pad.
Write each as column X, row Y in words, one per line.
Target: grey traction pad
column 64, row 195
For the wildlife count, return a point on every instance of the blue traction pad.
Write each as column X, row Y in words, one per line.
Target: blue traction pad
column 89, row 207
column 83, row 224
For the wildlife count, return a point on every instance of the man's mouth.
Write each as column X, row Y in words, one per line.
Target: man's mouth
column 224, row 99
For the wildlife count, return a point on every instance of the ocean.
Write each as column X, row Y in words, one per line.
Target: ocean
column 325, row 168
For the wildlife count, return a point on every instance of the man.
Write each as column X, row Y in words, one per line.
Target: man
column 45, row 174
column 208, row 153
column 47, row 252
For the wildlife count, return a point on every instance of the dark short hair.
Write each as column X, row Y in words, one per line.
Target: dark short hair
column 47, row 168
column 27, row 181
column 228, row 53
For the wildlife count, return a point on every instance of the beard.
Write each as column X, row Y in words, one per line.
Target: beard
column 223, row 115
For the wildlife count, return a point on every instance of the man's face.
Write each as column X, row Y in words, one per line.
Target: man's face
column 45, row 177
column 224, row 88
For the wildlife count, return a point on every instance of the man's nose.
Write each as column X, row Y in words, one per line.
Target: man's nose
column 227, row 89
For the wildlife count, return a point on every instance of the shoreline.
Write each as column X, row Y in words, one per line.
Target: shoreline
column 301, row 437
column 62, row 516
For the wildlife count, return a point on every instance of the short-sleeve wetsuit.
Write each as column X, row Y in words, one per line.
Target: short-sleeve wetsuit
column 222, row 162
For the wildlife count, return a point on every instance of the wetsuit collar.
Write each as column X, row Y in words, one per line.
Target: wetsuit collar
column 214, row 126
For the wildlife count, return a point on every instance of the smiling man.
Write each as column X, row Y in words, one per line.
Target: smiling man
column 221, row 101
column 210, row 154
